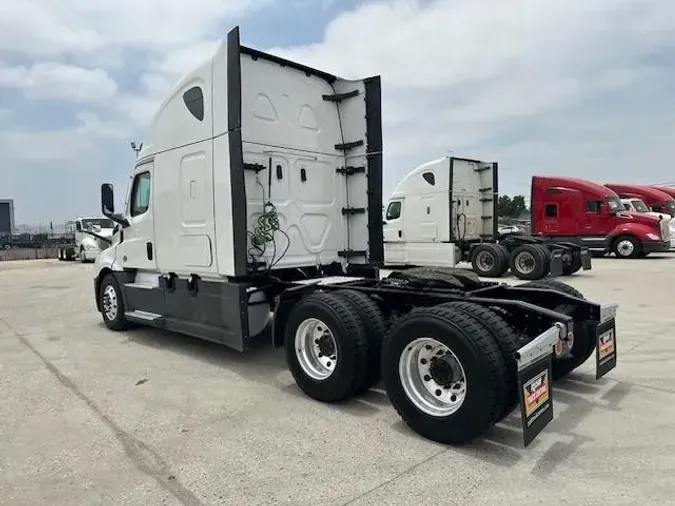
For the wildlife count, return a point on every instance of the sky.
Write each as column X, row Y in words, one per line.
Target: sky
column 568, row 87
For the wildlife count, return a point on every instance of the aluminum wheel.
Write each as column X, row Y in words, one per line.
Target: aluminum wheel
column 316, row 349
column 625, row 248
column 525, row 262
column 485, row 260
column 432, row 377
column 110, row 302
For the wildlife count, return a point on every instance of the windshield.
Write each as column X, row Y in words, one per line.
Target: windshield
column 639, row 206
column 97, row 222
column 614, row 204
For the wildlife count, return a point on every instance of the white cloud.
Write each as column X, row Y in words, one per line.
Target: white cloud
column 457, row 73
column 46, row 27
column 56, row 81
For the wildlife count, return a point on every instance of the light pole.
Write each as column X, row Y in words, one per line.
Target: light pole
column 136, row 149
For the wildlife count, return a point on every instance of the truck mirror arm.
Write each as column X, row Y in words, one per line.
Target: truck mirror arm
column 117, row 218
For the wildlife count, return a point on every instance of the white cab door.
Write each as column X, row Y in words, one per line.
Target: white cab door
column 137, row 250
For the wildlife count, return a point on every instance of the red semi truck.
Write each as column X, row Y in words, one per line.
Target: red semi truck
column 665, row 189
column 583, row 212
column 657, row 200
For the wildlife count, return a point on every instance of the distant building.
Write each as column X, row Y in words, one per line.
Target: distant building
column 6, row 217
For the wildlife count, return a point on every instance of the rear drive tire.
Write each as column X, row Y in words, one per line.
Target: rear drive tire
column 112, row 304
column 507, row 341
column 326, row 347
column 444, row 374
column 584, row 343
column 574, row 265
column 488, row 260
column 626, row 246
column 528, row 262
column 374, row 322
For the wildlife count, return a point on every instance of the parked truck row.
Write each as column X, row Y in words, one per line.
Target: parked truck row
column 445, row 212
column 254, row 211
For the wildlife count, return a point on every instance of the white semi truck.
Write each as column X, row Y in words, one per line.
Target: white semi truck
column 90, row 236
column 255, row 209
column 445, row 212
column 638, row 205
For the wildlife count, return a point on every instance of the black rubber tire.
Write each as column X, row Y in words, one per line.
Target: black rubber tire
column 498, row 267
column 545, row 257
column 350, row 339
column 481, row 360
column 504, row 252
column 120, row 322
column 574, row 265
column 637, row 246
column 554, row 284
column 375, row 324
column 541, row 265
column 584, row 344
column 59, row 254
column 507, row 340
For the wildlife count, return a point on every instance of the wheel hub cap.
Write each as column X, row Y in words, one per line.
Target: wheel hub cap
column 110, row 302
column 432, row 377
column 525, row 262
column 485, row 261
column 315, row 349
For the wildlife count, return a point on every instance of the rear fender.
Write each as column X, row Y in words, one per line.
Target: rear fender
column 287, row 299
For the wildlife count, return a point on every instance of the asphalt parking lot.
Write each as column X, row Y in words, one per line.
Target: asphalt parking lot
column 90, row 417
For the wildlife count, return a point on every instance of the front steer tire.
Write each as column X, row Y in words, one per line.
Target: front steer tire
column 350, row 341
column 479, row 356
column 113, row 315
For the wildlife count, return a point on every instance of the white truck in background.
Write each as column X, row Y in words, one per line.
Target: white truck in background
column 91, row 235
column 254, row 211
column 445, row 212
column 638, row 205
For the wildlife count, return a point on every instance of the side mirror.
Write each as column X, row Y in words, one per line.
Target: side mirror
column 108, row 205
column 107, row 199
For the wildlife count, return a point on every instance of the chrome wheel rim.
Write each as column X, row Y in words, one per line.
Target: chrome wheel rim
column 316, row 349
column 110, row 306
column 485, row 261
column 525, row 262
column 625, row 248
column 432, row 377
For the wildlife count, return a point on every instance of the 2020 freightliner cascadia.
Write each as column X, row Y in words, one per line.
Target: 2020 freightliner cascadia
column 445, row 212
column 255, row 209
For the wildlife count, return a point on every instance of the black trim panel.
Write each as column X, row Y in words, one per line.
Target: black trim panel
column 373, row 101
column 495, row 195
column 209, row 310
column 451, row 198
column 255, row 54
column 144, row 299
column 237, row 181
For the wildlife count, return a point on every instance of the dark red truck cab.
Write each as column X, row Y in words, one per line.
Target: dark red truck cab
column 575, row 210
column 658, row 200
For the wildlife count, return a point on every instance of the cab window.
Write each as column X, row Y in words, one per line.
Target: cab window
column 394, row 210
column 593, row 206
column 140, row 194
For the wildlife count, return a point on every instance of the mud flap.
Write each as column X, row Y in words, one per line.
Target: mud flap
column 535, row 372
column 556, row 263
column 536, row 399
column 585, row 256
column 605, row 349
